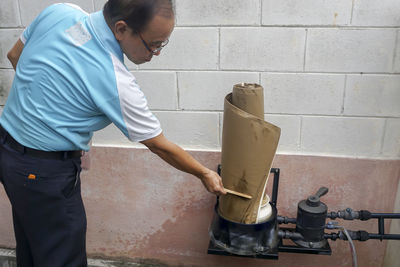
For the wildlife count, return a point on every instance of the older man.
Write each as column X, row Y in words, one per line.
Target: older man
column 71, row 81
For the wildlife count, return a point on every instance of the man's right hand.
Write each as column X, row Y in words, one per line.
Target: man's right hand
column 180, row 159
column 213, row 182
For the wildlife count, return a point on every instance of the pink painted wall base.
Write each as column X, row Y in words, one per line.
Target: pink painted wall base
column 139, row 207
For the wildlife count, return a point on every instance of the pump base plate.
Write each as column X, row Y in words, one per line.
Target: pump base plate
column 212, row 249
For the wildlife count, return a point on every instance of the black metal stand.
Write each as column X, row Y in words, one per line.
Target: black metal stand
column 325, row 250
column 282, row 233
column 218, row 251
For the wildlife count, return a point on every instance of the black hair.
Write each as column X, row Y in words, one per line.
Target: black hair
column 136, row 13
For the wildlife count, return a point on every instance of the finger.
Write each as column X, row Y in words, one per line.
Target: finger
column 222, row 189
column 217, row 189
column 219, row 193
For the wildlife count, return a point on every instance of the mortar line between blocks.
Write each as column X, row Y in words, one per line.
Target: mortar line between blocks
column 300, row 133
column 309, row 26
column 383, row 136
column 94, row 7
column 396, row 42
column 339, row 116
column 352, row 12
column 19, row 11
column 220, row 128
column 178, row 103
column 344, row 94
column 305, row 51
column 261, row 70
column 219, row 49
column 12, row 28
column 261, row 11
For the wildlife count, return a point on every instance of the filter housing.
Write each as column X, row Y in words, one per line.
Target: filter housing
column 245, row 239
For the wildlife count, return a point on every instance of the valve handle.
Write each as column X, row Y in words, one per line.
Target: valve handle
column 313, row 200
column 322, row 191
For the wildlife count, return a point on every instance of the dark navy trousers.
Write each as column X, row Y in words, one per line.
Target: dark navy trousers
column 47, row 209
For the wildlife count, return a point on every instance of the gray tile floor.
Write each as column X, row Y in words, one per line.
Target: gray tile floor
column 7, row 259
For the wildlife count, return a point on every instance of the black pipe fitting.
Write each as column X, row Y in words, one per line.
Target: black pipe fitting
column 286, row 220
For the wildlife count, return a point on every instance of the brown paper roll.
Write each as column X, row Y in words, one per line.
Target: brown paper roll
column 248, row 148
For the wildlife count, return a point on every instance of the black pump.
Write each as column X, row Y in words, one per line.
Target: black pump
column 310, row 222
column 267, row 239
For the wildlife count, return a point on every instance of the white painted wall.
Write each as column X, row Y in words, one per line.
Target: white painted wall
column 330, row 70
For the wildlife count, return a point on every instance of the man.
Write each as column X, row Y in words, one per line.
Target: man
column 71, row 81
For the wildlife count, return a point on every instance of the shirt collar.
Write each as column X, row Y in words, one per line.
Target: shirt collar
column 105, row 34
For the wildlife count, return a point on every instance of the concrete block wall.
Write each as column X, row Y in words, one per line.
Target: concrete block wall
column 330, row 70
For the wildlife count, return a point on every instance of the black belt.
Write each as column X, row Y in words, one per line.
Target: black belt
column 8, row 139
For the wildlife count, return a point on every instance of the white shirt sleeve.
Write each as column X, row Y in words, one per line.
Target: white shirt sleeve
column 132, row 117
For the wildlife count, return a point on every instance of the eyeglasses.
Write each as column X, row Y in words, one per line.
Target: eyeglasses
column 158, row 49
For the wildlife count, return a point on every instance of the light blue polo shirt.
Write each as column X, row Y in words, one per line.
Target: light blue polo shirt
column 71, row 81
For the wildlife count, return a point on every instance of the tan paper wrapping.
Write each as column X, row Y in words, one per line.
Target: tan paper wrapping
column 248, row 148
